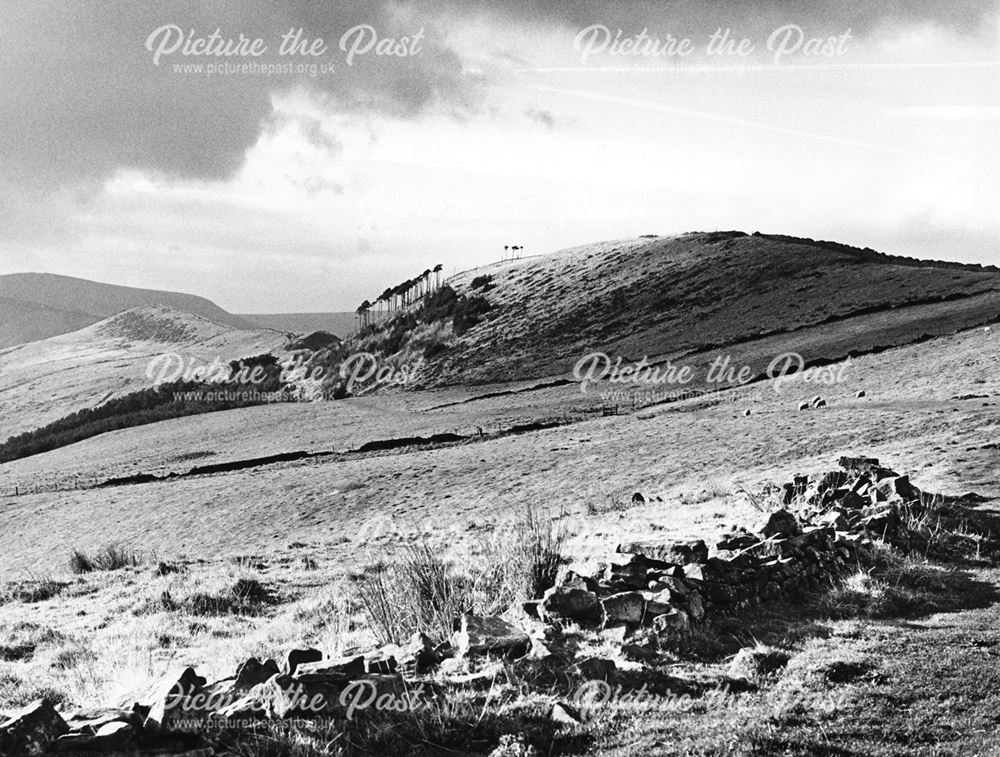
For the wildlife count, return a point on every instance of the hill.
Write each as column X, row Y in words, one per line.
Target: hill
column 340, row 324
column 48, row 379
column 36, row 306
column 668, row 296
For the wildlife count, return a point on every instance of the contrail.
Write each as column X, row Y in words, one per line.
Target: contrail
column 673, row 110
column 755, row 68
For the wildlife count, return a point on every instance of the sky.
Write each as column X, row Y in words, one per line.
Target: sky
column 388, row 137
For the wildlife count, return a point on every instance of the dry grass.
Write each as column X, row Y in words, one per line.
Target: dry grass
column 109, row 557
column 414, row 589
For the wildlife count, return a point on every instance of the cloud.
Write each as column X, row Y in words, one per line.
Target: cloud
column 82, row 97
column 974, row 113
column 543, row 117
column 695, row 16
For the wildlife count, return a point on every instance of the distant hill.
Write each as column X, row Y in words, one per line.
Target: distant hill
column 37, row 306
column 339, row 324
column 44, row 380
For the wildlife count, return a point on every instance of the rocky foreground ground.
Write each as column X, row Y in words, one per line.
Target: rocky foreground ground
column 594, row 650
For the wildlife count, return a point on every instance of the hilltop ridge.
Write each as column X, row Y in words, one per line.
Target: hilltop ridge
column 666, row 296
column 36, row 306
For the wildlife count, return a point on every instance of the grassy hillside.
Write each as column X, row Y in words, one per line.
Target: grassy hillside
column 667, row 296
column 46, row 380
column 672, row 451
column 340, row 324
column 40, row 305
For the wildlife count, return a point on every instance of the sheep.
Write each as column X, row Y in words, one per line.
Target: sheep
column 819, row 402
column 987, row 330
column 746, row 412
column 803, row 406
column 861, row 393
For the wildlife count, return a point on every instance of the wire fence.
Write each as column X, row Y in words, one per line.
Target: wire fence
column 63, row 485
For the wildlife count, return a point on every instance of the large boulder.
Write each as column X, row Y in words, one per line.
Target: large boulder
column 32, row 729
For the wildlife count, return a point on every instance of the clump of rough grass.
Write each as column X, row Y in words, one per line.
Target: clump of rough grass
column 523, row 561
column 414, row 589
column 888, row 584
column 244, row 596
column 618, row 502
column 34, row 589
column 18, row 642
column 948, row 533
column 17, row 690
column 109, row 557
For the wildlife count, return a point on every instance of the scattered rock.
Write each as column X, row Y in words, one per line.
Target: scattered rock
column 596, row 668
column 673, row 623
column 615, row 633
column 295, row 657
column 253, row 671
column 638, row 653
column 168, row 699
column 481, row 635
column 564, row 603
column 626, row 607
column 565, row 714
column 680, row 553
column 780, row 523
column 756, row 664
column 514, row 745
column 338, row 668
column 32, row 729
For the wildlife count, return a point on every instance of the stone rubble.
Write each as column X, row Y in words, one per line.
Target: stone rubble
column 670, row 588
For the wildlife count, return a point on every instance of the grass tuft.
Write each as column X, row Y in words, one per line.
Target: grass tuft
column 110, row 557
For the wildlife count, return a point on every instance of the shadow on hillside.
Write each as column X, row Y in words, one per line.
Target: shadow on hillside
column 905, row 593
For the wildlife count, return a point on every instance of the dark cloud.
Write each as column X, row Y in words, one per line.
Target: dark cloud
column 81, row 97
